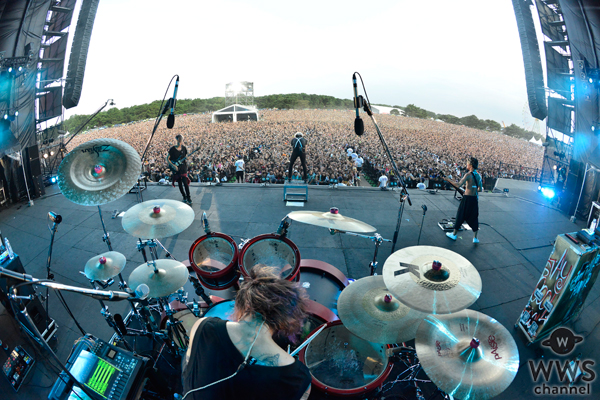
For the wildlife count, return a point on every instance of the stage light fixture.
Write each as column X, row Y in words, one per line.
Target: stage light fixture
column 548, row 193
column 5, row 116
column 20, row 69
column 54, row 179
column 16, row 113
column 52, row 153
column 9, row 69
column 45, row 155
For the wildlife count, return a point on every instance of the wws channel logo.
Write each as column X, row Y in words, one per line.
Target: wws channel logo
column 574, row 375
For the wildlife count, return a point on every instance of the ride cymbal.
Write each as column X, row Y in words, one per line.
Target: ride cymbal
column 105, row 266
column 155, row 219
column 431, row 279
column 331, row 219
column 368, row 310
column 467, row 354
column 99, row 171
column 169, row 276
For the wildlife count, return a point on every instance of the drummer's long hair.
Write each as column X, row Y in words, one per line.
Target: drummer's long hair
column 281, row 303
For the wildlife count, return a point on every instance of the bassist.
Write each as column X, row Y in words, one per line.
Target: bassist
column 178, row 164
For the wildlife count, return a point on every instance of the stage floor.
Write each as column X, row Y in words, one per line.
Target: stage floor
column 516, row 239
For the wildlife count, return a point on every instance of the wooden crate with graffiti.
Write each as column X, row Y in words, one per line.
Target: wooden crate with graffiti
column 568, row 277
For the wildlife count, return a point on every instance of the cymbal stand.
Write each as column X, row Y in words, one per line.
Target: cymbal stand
column 107, row 315
column 377, row 238
column 403, row 192
column 106, row 239
column 177, row 338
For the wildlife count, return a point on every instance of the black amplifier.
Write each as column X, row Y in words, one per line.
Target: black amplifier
column 109, row 372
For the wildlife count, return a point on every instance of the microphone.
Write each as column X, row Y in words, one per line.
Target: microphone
column 171, row 117
column 359, row 126
column 120, row 325
column 205, row 223
column 142, row 292
column 282, row 230
column 54, row 217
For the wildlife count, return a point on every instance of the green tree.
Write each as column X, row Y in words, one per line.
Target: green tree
column 395, row 112
column 413, row 111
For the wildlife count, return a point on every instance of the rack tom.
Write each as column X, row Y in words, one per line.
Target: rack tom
column 274, row 251
column 214, row 258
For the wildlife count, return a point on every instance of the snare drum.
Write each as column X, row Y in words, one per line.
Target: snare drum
column 214, row 257
column 274, row 251
column 343, row 365
column 323, row 282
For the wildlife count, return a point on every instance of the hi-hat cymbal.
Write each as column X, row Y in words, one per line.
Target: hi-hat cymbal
column 99, row 171
column 331, row 219
column 154, row 219
column 105, row 266
column 368, row 310
column 467, row 354
column 170, row 277
column 409, row 275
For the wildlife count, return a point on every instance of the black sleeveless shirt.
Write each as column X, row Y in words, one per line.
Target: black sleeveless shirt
column 215, row 357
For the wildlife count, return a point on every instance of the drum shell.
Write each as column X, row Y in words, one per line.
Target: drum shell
column 221, row 279
column 323, row 282
column 358, row 391
column 270, row 239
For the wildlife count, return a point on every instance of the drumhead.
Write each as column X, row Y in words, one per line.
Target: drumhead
column 223, row 310
column 340, row 360
column 213, row 255
column 274, row 251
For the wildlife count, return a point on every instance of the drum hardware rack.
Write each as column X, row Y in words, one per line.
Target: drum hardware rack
column 408, row 356
column 376, row 238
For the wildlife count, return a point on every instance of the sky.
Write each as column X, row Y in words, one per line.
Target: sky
column 458, row 57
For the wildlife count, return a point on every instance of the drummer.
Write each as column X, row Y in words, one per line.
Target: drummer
column 235, row 360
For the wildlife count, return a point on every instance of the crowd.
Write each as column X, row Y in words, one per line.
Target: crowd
column 423, row 149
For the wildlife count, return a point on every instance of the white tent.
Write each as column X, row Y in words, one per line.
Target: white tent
column 538, row 142
column 235, row 113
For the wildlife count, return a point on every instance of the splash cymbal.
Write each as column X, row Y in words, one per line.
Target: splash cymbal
column 410, row 275
column 331, row 219
column 105, row 266
column 169, row 277
column 98, row 172
column 154, row 219
column 368, row 310
column 467, row 354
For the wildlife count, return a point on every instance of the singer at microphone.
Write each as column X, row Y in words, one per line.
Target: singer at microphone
column 178, row 166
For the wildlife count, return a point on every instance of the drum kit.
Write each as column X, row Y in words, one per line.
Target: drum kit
column 358, row 329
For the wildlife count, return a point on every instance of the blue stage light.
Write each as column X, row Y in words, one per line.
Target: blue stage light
column 16, row 113
column 547, row 192
column 10, row 69
column 53, row 179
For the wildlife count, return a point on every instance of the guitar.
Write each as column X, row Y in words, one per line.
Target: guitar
column 454, row 184
column 180, row 161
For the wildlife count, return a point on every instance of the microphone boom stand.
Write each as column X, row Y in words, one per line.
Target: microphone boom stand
column 403, row 192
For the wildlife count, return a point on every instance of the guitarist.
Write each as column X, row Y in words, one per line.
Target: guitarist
column 176, row 154
column 468, row 210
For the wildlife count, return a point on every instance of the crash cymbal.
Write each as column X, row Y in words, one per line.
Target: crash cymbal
column 331, row 219
column 467, row 354
column 170, row 277
column 99, row 171
column 410, row 275
column 368, row 310
column 156, row 219
column 105, row 266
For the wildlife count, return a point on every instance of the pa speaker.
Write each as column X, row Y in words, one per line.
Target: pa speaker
column 79, row 50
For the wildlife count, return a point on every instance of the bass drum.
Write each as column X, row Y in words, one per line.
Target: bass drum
column 274, row 251
column 214, row 258
column 344, row 365
column 323, row 282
